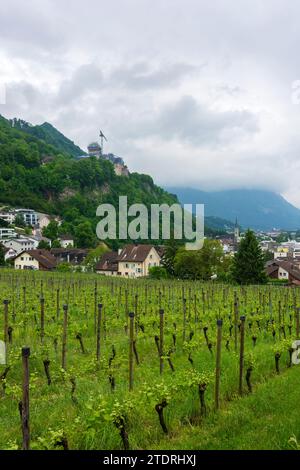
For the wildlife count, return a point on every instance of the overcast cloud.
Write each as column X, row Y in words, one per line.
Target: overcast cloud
column 194, row 93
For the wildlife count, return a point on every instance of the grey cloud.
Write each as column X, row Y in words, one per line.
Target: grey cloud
column 192, row 122
column 86, row 78
column 136, row 68
column 142, row 76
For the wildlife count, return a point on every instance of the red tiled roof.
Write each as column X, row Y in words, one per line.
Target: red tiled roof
column 137, row 253
column 44, row 257
column 108, row 262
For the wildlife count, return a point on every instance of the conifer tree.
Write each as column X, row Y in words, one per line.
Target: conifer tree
column 249, row 264
column 2, row 254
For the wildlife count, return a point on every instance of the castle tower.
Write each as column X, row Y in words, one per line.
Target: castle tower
column 94, row 150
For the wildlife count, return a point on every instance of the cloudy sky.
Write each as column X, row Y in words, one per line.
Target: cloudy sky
column 196, row 93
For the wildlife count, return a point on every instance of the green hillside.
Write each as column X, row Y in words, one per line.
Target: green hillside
column 65, row 186
column 50, row 135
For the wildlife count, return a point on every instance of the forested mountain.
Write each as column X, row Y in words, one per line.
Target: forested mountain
column 50, row 135
column 65, row 186
column 257, row 209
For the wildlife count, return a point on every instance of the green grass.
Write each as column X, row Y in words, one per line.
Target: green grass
column 264, row 420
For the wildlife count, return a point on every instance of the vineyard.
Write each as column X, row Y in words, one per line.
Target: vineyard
column 106, row 363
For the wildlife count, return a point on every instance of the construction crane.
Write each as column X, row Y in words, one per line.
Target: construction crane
column 102, row 137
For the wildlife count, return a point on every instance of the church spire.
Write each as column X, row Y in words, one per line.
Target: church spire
column 236, row 232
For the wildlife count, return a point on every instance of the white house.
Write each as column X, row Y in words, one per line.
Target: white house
column 135, row 260
column 36, row 260
column 9, row 253
column 20, row 244
column 6, row 233
column 66, row 241
column 9, row 217
column 29, row 215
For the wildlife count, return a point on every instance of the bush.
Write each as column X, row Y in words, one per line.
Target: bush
column 158, row 272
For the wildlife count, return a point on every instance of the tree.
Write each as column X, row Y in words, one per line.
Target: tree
column 2, row 255
column 85, row 237
column 64, row 267
column 94, row 256
column 3, row 223
column 19, row 221
column 51, row 231
column 268, row 255
column 158, row 272
column 249, row 264
column 168, row 259
column 43, row 245
column 199, row 264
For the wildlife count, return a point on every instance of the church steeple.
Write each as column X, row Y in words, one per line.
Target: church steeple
column 236, row 232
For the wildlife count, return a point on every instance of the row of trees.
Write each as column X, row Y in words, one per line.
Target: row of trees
column 246, row 267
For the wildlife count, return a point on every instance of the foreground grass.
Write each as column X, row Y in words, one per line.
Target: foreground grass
column 265, row 420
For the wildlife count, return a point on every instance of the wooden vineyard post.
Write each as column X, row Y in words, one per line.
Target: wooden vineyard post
column 136, row 313
column 184, row 319
column 99, row 320
column 236, row 309
column 57, row 304
column 131, row 339
column 64, row 339
column 5, row 333
column 42, row 319
column 24, row 299
column 161, row 341
column 126, row 305
column 242, row 348
column 279, row 319
column 95, row 307
column 25, row 399
column 218, row 364
column 298, row 323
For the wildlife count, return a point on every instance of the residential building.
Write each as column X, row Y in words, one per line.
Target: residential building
column 281, row 253
column 29, row 215
column 135, row 260
column 66, row 241
column 7, row 233
column 35, row 259
column 108, row 265
column 9, row 253
column 284, row 270
column 20, row 244
column 8, row 217
column 73, row 256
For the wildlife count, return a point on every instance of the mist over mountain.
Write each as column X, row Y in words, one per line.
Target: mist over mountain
column 256, row 209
